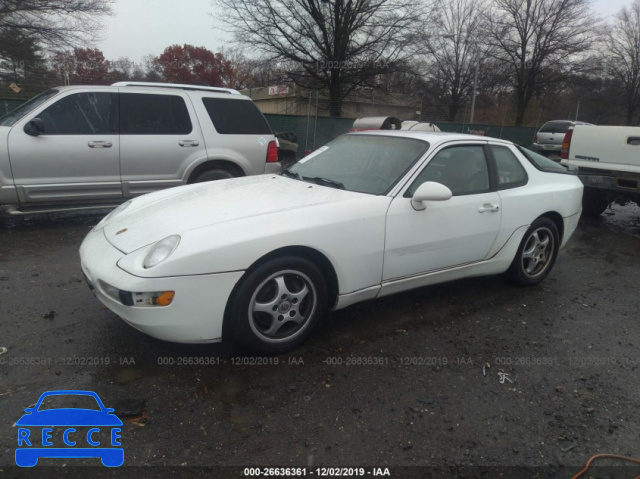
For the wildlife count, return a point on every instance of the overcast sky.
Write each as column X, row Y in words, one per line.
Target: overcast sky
column 147, row 27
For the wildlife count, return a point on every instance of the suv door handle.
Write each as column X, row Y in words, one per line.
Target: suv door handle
column 489, row 208
column 189, row 143
column 100, row 144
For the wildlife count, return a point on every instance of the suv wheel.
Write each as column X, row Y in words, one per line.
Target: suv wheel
column 214, row 174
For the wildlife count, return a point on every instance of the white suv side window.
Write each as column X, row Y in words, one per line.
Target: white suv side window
column 234, row 117
column 148, row 114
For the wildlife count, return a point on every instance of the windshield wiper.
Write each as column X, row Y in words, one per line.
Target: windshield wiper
column 319, row 180
column 290, row 174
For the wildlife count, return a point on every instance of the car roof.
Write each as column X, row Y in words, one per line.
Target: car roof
column 432, row 136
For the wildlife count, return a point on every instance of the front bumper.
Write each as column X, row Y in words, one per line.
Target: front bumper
column 196, row 313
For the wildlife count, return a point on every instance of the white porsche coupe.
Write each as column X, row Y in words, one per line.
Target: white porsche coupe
column 260, row 259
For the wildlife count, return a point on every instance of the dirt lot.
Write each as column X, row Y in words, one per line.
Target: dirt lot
column 474, row 378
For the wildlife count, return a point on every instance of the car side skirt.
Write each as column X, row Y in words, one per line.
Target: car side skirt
column 497, row 264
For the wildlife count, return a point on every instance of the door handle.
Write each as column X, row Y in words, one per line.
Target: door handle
column 100, row 144
column 189, row 143
column 489, row 208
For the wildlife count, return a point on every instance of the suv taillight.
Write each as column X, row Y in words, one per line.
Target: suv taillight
column 566, row 143
column 272, row 152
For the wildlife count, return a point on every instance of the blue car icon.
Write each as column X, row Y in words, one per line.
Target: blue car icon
column 32, row 445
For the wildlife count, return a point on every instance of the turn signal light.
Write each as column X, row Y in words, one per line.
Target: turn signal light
column 164, row 299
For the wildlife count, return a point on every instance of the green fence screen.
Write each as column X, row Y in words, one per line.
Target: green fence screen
column 313, row 132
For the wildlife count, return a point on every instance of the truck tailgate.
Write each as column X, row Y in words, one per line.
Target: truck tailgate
column 606, row 147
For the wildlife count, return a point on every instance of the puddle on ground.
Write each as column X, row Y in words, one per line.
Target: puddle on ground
column 623, row 219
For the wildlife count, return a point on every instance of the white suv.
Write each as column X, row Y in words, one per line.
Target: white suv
column 81, row 147
column 548, row 140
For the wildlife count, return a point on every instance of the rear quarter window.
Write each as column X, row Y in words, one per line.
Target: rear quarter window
column 511, row 174
column 542, row 162
column 555, row 127
column 236, row 117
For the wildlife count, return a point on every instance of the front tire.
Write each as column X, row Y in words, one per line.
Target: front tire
column 277, row 305
column 536, row 255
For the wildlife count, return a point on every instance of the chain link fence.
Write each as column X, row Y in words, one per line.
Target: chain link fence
column 7, row 105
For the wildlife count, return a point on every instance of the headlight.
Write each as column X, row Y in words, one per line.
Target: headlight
column 114, row 213
column 161, row 251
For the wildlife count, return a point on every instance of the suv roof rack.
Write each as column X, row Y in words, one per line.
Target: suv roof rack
column 177, row 86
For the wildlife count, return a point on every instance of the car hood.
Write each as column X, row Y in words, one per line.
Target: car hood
column 153, row 217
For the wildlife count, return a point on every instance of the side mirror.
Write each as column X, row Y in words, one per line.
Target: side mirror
column 34, row 127
column 429, row 191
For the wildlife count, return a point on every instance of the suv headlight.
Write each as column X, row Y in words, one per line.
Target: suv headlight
column 161, row 251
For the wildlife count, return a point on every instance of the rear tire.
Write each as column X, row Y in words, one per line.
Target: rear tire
column 214, row 174
column 277, row 305
column 536, row 254
column 594, row 203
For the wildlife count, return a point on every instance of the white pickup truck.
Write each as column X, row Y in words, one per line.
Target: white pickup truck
column 608, row 158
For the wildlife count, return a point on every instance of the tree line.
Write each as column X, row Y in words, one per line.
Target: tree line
column 521, row 56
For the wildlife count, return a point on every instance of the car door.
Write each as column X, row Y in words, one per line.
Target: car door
column 76, row 158
column 158, row 140
column 448, row 233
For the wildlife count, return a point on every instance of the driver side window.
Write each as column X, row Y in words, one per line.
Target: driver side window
column 463, row 169
column 91, row 113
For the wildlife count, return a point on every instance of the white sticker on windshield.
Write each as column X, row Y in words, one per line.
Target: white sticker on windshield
column 315, row 153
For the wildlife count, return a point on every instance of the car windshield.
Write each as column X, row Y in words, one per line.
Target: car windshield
column 361, row 163
column 12, row 117
column 555, row 127
column 542, row 162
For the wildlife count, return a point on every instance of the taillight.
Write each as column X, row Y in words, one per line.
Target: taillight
column 566, row 143
column 535, row 138
column 272, row 152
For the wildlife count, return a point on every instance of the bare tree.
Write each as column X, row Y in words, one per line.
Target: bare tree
column 454, row 53
column 540, row 41
column 124, row 69
column 334, row 44
column 623, row 56
column 54, row 22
